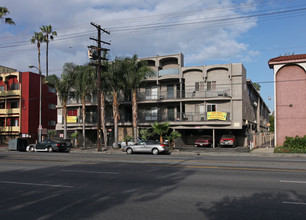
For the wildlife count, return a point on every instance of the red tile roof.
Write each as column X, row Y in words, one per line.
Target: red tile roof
column 287, row 59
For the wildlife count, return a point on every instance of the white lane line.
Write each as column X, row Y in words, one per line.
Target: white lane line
column 36, row 184
column 294, row 203
column 288, row 181
column 86, row 171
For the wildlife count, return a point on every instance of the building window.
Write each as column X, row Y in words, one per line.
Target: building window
column 14, row 123
column 15, row 86
column 2, row 88
column 51, row 123
column 211, row 85
column 199, row 86
column 14, row 104
column 211, row 107
column 51, row 106
column 151, row 93
column 2, row 105
column 51, row 90
column 151, row 114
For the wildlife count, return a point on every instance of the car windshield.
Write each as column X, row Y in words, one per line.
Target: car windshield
column 228, row 136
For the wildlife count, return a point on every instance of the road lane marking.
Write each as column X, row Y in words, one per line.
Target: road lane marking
column 288, row 181
column 36, row 184
column 86, row 171
column 294, row 203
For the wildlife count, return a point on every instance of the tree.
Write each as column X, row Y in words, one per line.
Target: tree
column 160, row 129
column 271, row 122
column 171, row 137
column 115, row 75
column 3, row 12
column 257, row 86
column 145, row 134
column 136, row 72
column 63, row 87
column 38, row 38
column 48, row 34
column 83, row 86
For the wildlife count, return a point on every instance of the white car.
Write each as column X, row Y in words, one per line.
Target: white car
column 153, row 147
column 123, row 143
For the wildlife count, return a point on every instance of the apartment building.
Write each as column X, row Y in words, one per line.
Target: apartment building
column 290, row 96
column 19, row 106
column 197, row 100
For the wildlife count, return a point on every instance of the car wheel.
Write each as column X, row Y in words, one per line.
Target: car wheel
column 119, row 146
column 31, row 149
column 50, row 149
column 129, row 151
column 155, row 151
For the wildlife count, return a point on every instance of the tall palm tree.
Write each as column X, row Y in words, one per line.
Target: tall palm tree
column 38, row 38
column 48, row 34
column 83, row 86
column 115, row 75
column 63, row 87
column 3, row 12
column 136, row 72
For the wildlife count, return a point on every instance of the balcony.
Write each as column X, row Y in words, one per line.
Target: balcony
column 188, row 94
column 186, row 117
column 166, row 72
column 10, row 129
column 9, row 111
column 10, row 93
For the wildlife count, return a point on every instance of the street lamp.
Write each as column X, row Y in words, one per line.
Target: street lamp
column 40, row 126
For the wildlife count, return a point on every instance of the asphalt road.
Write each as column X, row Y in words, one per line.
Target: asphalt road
column 101, row 186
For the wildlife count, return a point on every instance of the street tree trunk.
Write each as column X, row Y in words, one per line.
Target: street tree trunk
column 65, row 118
column 103, row 123
column 83, row 124
column 116, row 117
column 135, row 115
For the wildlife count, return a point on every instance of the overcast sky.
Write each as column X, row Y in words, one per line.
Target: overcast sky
column 205, row 31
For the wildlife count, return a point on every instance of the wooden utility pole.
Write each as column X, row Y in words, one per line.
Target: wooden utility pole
column 98, row 50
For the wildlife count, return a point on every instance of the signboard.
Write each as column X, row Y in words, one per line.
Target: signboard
column 216, row 116
column 71, row 119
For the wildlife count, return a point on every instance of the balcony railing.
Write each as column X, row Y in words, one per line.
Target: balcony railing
column 10, row 129
column 189, row 94
column 186, row 117
column 10, row 93
column 10, row 111
column 166, row 72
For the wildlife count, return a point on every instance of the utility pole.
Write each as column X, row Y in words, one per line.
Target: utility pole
column 97, row 56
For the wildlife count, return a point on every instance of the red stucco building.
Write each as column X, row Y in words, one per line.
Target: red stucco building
column 19, row 106
column 290, row 96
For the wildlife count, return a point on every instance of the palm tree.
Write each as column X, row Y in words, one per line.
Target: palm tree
column 38, row 38
column 136, row 72
column 48, row 33
column 83, row 86
column 115, row 75
column 63, row 87
column 160, row 129
column 3, row 12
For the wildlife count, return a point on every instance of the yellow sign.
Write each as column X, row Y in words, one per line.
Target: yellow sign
column 216, row 116
column 71, row 119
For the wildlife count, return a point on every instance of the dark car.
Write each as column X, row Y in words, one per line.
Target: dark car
column 49, row 145
column 204, row 141
column 228, row 140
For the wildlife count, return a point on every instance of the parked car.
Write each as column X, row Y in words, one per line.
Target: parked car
column 48, row 145
column 123, row 143
column 204, row 141
column 228, row 140
column 153, row 147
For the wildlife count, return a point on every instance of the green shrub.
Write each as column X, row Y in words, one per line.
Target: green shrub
column 292, row 145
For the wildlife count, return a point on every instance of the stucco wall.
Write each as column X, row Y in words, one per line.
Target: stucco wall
column 290, row 88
